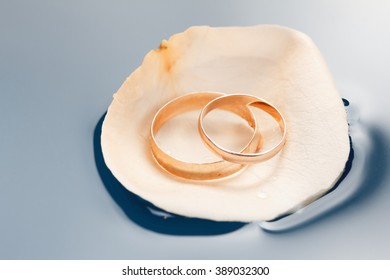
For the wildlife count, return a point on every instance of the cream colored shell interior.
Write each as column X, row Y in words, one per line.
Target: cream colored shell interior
column 278, row 64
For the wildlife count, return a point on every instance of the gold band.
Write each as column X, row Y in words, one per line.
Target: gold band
column 247, row 100
column 199, row 171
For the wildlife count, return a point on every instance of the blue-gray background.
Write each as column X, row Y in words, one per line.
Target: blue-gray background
column 60, row 63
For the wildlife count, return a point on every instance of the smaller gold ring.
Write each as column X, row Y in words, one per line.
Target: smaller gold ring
column 247, row 100
column 199, row 171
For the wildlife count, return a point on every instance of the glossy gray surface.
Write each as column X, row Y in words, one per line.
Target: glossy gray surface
column 60, row 63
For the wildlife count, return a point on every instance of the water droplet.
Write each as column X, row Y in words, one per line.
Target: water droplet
column 262, row 195
column 159, row 213
column 346, row 102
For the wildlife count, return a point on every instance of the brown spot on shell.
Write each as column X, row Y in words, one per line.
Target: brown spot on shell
column 167, row 55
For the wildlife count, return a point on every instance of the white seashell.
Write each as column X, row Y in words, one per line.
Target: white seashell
column 279, row 64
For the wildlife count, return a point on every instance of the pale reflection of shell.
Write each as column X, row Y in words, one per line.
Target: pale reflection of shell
column 278, row 64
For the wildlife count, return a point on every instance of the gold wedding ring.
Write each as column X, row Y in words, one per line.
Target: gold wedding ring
column 200, row 171
column 246, row 100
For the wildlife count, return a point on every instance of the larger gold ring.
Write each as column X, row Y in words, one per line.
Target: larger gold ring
column 199, row 171
column 247, row 100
